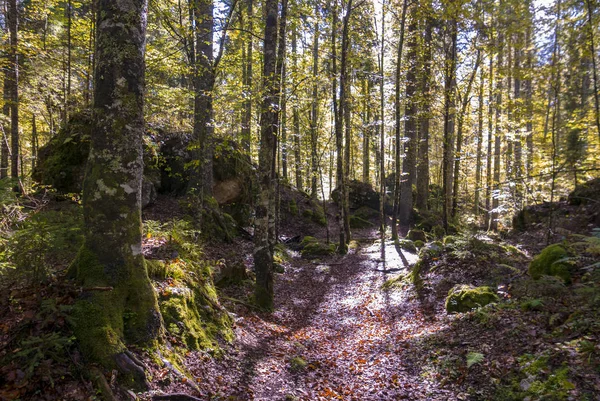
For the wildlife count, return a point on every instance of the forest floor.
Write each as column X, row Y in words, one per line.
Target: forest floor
column 357, row 327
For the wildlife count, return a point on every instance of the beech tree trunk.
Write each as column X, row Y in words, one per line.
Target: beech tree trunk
column 4, row 158
column 248, row 82
column 345, row 106
column 296, row 116
column 263, row 246
column 111, row 255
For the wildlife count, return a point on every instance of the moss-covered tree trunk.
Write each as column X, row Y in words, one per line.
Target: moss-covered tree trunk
column 13, row 27
column 263, row 250
column 118, row 304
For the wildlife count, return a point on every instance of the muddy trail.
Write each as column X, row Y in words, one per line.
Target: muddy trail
column 335, row 333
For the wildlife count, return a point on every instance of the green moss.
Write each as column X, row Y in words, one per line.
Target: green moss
column 366, row 213
column 450, row 240
column 358, row 222
column 550, row 263
column 463, row 298
column 280, row 254
column 419, row 244
column 297, row 363
column 293, row 207
column 416, row 235
column 312, row 248
column 407, row 245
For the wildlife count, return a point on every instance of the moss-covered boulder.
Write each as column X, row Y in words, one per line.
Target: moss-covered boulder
column 550, row 262
column 416, row 235
column 407, row 245
column 313, row 248
column 588, row 192
column 358, row 222
column 366, row 213
column 315, row 213
column 61, row 162
column 464, row 298
column 359, row 194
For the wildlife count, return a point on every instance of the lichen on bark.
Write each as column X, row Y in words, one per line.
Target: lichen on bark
column 118, row 303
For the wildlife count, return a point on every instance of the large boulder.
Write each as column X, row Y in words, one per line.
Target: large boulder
column 588, row 192
column 464, row 298
column 61, row 162
column 359, row 194
column 551, row 262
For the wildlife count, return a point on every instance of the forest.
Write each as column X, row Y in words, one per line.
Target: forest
column 300, row 200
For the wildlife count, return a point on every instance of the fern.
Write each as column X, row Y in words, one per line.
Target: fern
column 474, row 358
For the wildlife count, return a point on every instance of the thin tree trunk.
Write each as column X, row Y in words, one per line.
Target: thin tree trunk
column 314, row 115
column 247, row 106
column 339, row 135
column 34, row 143
column 465, row 101
column 296, row 115
column 366, row 162
column 477, row 197
column 498, row 133
column 263, row 252
column 398, row 121
column 345, row 106
column 69, row 58
column 13, row 24
column 6, row 128
column 488, row 190
column 590, row 16
column 281, row 71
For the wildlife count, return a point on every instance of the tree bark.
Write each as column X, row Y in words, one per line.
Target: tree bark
column 314, row 114
column 397, row 118
column 498, row 131
column 248, row 82
column 449, row 117
column 4, row 158
column 590, row 16
column 13, row 83
column 281, row 71
column 345, row 106
column 263, row 248
column 409, row 164
column 111, row 255
column 296, row 115
column 424, row 116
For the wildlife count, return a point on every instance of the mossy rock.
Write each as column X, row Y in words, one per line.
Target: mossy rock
column 366, row 213
column 358, row 222
column 293, row 207
column 416, row 235
column 312, row 248
column 359, row 194
column 450, row 240
column 407, row 245
column 550, row 262
column 61, row 162
column 431, row 250
column 315, row 214
column 588, row 192
column 464, row 298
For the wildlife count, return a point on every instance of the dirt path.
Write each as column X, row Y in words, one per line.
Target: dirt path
column 333, row 315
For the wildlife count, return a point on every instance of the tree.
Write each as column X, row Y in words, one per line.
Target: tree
column 118, row 305
column 263, row 250
column 13, row 87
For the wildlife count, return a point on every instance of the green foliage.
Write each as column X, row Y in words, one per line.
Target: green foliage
column 297, row 364
column 474, row 358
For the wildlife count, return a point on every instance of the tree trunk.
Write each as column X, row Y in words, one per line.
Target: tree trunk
column 398, row 121
column 111, row 255
column 296, row 115
column 13, row 25
column 202, row 179
column 366, row 162
column 488, row 187
column 6, row 128
column 345, row 106
column 449, row 117
column 263, row 252
column 465, row 101
column 480, row 106
column 498, row 133
column 339, row 135
column 281, row 71
column 590, row 16
column 424, row 116
column 247, row 104
column 314, row 114
column 409, row 167
column 34, row 143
